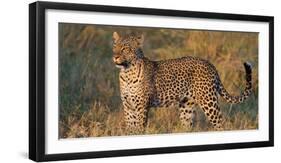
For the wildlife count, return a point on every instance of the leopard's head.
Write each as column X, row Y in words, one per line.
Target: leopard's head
column 127, row 50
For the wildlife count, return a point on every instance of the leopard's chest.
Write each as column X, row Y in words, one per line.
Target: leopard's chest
column 131, row 83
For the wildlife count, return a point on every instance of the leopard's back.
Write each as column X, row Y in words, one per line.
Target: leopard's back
column 180, row 78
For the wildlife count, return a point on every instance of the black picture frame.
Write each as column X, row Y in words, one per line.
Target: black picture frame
column 37, row 87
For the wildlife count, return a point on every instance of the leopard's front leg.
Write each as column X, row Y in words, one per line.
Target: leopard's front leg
column 135, row 120
column 135, row 94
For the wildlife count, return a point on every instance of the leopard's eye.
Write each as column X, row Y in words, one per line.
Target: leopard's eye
column 125, row 50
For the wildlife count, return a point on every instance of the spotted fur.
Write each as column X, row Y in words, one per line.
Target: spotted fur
column 183, row 82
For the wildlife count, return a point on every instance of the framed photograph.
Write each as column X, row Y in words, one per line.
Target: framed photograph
column 109, row 81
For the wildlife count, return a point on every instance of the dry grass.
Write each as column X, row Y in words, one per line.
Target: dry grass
column 89, row 100
column 99, row 121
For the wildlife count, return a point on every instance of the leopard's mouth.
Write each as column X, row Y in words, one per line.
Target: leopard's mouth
column 122, row 65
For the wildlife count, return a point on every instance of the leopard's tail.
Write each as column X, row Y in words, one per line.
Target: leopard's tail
column 248, row 90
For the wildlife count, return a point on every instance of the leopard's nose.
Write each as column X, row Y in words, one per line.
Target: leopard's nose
column 115, row 58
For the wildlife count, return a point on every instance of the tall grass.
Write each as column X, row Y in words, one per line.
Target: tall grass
column 89, row 101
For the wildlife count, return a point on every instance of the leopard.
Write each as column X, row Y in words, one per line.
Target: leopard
column 184, row 83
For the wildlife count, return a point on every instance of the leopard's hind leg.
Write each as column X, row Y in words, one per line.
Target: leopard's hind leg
column 209, row 105
column 186, row 109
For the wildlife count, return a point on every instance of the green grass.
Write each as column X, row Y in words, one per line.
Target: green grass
column 89, row 101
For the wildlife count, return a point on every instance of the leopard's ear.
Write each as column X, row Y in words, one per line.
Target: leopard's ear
column 140, row 39
column 115, row 37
